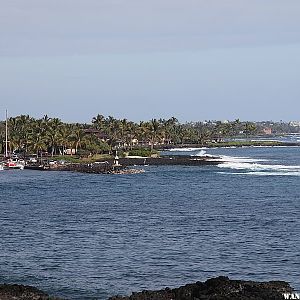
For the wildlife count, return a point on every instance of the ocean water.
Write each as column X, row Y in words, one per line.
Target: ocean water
column 87, row 236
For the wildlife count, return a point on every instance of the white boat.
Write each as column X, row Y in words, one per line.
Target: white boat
column 14, row 164
column 10, row 163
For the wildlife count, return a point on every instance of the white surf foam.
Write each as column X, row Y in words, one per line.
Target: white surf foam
column 274, row 173
column 250, row 166
column 264, row 173
column 239, row 159
column 201, row 154
column 186, row 149
column 258, row 167
column 253, row 166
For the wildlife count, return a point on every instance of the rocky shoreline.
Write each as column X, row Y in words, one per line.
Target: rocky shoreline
column 172, row 160
column 22, row 292
column 124, row 164
column 220, row 288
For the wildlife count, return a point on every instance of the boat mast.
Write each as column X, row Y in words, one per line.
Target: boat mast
column 6, row 135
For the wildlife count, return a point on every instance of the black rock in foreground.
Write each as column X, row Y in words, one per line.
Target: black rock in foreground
column 22, row 292
column 220, row 288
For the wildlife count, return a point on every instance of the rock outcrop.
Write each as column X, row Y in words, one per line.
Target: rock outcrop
column 22, row 292
column 220, row 288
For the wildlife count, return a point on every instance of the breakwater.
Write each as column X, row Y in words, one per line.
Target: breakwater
column 109, row 167
column 171, row 160
column 98, row 168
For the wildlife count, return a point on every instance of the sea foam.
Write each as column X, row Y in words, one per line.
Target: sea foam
column 254, row 167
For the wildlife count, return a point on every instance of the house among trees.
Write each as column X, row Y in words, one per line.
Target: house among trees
column 267, row 131
column 101, row 135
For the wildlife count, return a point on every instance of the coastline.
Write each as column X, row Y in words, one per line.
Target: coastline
column 125, row 164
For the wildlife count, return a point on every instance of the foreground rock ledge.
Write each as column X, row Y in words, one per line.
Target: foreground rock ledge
column 22, row 292
column 220, row 288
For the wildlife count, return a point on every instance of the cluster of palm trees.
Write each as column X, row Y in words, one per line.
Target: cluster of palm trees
column 128, row 134
column 217, row 130
column 30, row 135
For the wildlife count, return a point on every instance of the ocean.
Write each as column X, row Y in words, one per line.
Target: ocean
column 89, row 236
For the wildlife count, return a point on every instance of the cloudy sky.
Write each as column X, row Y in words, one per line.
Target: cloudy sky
column 138, row 59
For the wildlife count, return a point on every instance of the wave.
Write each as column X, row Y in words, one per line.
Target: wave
column 258, row 167
column 186, row 149
column 274, row 173
column 202, row 153
column 264, row 173
column 254, row 167
column 240, row 159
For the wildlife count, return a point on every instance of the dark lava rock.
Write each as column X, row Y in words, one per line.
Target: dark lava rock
column 22, row 292
column 220, row 288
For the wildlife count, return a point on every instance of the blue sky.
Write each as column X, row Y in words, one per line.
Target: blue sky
column 137, row 59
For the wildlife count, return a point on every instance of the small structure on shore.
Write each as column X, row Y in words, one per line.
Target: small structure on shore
column 116, row 160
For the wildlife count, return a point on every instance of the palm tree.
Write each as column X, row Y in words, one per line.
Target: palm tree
column 38, row 143
column 26, row 127
column 131, row 133
column 99, row 122
column 64, row 137
column 250, row 128
column 154, row 127
column 143, row 131
column 53, row 134
column 77, row 137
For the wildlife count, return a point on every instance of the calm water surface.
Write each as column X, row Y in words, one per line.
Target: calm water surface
column 86, row 236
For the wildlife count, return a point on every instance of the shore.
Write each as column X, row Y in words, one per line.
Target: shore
column 220, row 288
column 106, row 165
column 171, row 161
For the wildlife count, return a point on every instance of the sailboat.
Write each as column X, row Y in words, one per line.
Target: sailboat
column 13, row 164
column 10, row 163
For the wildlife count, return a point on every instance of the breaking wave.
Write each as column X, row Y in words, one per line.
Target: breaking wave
column 194, row 152
column 250, row 166
column 240, row 159
column 185, row 149
column 264, row 173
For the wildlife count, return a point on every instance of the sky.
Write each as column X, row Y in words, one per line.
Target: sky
column 137, row 59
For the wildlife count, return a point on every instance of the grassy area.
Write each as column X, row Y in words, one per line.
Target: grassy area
column 98, row 157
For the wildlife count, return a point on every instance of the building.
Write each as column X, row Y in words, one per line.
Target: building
column 267, row 131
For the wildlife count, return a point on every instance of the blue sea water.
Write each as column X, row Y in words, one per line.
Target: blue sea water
column 87, row 236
